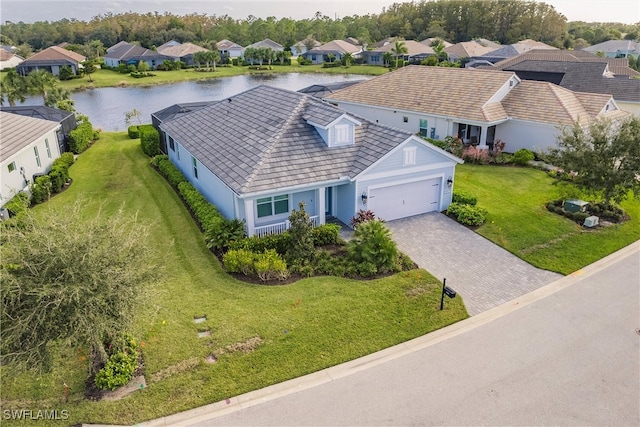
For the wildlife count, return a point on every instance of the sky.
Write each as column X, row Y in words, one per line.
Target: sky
column 625, row 11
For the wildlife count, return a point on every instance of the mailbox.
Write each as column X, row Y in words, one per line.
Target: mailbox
column 449, row 292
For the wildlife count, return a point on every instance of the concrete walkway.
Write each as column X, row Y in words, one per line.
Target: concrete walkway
column 565, row 354
column 484, row 274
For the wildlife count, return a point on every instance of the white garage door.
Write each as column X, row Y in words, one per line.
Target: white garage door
column 402, row 200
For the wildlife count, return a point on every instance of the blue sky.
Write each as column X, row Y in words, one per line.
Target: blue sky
column 627, row 11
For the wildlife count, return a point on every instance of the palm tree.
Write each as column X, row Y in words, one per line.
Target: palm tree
column 212, row 56
column 198, row 59
column 399, row 50
column 13, row 88
column 347, row 59
column 41, row 82
column 438, row 48
column 386, row 58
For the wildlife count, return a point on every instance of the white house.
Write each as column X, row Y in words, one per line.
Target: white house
column 479, row 106
column 29, row 147
column 9, row 60
column 229, row 49
column 280, row 148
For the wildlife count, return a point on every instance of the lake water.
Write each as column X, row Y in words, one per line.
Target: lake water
column 106, row 107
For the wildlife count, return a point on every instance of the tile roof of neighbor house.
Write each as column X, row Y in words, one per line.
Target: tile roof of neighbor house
column 5, row 56
column 622, row 46
column 514, row 49
column 176, row 110
column 131, row 51
column 180, row 50
column 413, row 47
column 268, row 144
column 266, row 43
column 470, row 48
column 18, row 131
column 302, row 43
column 225, row 44
column 451, row 92
column 618, row 66
column 429, row 41
column 337, row 46
column 322, row 90
column 55, row 53
column 117, row 45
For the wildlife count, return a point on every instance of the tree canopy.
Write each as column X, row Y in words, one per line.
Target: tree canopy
column 70, row 280
column 605, row 158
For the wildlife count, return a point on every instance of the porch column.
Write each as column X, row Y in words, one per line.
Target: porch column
column 321, row 206
column 248, row 217
column 483, row 138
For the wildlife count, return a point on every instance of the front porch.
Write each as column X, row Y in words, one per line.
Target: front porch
column 279, row 227
column 478, row 136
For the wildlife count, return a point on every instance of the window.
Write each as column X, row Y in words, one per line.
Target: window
column 409, row 156
column 405, row 119
column 342, row 134
column 35, row 151
column 178, row 151
column 375, row 58
column 424, row 125
column 11, row 166
column 194, row 162
column 171, row 144
column 46, row 143
column 277, row 205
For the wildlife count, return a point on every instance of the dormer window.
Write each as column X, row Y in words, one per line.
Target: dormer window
column 409, row 156
column 342, row 134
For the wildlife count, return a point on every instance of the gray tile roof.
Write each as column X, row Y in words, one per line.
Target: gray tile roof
column 17, row 132
column 260, row 140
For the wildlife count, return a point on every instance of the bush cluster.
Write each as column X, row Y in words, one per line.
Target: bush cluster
column 335, row 64
column 206, row 214
column 170, row 172
column 464, row 199
column 523, row 156
column 467, row 214
column 267, row 265
column 133, row 131
column 326, row 234
column 149, row 140
column 372, row 249
column 81, row 137
column 361, row 217
column 121, row 363
column 18, row 204
column 46, row 185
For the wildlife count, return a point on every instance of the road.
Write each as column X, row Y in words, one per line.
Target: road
column 565, row 354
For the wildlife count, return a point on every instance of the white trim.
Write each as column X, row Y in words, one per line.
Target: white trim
column 342, row 116
column 442, row 184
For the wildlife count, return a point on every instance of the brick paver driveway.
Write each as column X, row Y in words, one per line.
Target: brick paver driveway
column 483, row 273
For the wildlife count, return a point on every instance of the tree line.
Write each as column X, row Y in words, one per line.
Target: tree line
column 504, row 21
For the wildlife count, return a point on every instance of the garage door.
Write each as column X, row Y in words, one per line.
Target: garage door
column 402, row 200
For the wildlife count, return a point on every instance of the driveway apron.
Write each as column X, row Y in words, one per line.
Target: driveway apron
column 484, row 274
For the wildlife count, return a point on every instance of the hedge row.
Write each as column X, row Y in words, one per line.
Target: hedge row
column 81, row 137
column 52, row 183
column 206, row 214
column 149, row 140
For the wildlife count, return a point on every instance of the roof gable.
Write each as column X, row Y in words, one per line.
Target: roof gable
column 268, row 144
column 266, row 43
column 56, row 53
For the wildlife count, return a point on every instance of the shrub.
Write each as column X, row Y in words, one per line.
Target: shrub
column 65, row 159
column 372, row 243
column 464, row 199
column 326, row 234
column 270, row 266
column 580, row 217
column 333, row 64
column 558, row 210
column 19, row 203
column 475, row 155
column 467, row 214
column 65, row 73
column 41, row 189
column 300, row 248
column 149, row 140
column 133, row 132
column 117, row 372
column 362, row 216
column 59, row 175
column 239, row 261
column 277, row 242
column 155, row 160
column 224, row 233
column 81, row 137
column 522, row 157
column 122, row 68
column 327, row 264
column 170, row 172
column 205, row 213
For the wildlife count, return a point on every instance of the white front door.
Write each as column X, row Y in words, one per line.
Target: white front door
column 405, row 199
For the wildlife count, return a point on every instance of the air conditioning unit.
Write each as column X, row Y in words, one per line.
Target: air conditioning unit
column 4, row 214
column 591, row 221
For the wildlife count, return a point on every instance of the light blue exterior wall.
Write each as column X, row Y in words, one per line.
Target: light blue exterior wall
column 309, row 199
column 345, row 202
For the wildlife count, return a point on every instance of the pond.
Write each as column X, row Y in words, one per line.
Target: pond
column 106, row 107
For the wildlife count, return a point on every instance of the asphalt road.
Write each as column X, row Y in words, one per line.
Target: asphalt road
column 566, row 354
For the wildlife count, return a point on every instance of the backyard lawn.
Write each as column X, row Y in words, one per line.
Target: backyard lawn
column 519, row 222
column 261, row 334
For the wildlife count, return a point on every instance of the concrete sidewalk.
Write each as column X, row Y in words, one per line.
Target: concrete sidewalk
column 483, row 273
column 564, row 354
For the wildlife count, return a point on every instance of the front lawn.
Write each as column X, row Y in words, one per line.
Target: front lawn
column 518, row 220
column 287, row 331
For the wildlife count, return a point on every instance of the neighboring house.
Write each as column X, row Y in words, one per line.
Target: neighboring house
column 117, row 45
column 229, row 49
column 301, row 47
column 181, row 51
column 478, row 106
column 66, row 119
column 266, row 43
column 616, row 48
column 511, row 50
column 51, row 59
column 280, row 148
column 322, row 90
column 9, row 60
column 416, row 52
column 470, row 49
column 131, row 54
column 337, row 48
column 431, row 40
column 29, row 147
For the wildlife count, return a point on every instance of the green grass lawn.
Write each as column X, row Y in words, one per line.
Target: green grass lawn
column 302, row 327
column 519, row 222
column 108, row 78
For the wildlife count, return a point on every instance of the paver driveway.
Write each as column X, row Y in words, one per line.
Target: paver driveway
column 482, row 272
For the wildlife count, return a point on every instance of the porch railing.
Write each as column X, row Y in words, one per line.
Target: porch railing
column 281, row 227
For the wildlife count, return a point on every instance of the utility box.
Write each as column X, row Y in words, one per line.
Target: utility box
column 574, row 205
column 591, row 221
